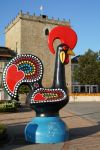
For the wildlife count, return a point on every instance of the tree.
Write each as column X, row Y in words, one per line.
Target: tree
column 24, row 89
column 88, row 71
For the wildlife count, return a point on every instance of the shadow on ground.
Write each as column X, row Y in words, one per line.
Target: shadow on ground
column 24, row 108
column 16, row 137
column 76, row 133
column 17, row 141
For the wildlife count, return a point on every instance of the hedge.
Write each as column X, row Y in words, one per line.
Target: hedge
column 3, row 133
column 9, row 106
column 3, row 128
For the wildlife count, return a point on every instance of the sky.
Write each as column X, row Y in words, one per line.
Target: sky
column 84, row 16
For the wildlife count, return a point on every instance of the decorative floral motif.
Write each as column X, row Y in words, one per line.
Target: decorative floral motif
column 25, row 68
column 48, row 95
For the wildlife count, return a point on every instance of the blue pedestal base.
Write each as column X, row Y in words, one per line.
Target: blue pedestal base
column 46, row 130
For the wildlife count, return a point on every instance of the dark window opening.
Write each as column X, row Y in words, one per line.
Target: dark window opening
column 82, row 89
column 46, row 32
column 44, row 16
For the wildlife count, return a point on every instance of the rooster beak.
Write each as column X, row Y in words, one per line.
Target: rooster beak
column 70, row 52
column 62, row 56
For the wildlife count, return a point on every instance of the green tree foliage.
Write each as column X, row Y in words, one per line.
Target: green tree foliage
column 24, row 89
column 88, row 71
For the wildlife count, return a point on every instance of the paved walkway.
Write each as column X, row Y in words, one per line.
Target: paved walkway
column 84, row 133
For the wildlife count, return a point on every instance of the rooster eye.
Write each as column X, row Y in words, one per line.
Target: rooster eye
column 65, row 47
column 60, row 48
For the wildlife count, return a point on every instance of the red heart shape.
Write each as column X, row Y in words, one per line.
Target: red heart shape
column 13, row 76
column 39, row 97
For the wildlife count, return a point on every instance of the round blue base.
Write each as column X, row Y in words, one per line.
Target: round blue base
column 46, row 130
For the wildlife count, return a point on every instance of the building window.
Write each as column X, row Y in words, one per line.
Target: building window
column 46, row 32
column 44, row 16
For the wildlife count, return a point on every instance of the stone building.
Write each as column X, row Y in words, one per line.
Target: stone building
column 6, row 55
column 28, row 34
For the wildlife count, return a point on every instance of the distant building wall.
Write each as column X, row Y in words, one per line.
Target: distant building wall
column 6, row 55
column 27, row 34
column 13, row 35
column 85, row 98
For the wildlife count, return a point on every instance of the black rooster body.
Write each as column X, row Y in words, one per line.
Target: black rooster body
column 51, row 100
column 28, row 69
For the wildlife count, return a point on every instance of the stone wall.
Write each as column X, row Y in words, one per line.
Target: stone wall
column 13, row 35
column 87, row 98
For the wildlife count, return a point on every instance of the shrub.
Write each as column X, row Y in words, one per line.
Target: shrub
column 3, row 133
column 9, row 106
column 3, row 129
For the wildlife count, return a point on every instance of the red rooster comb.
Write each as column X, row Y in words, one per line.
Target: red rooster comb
column 65, row 34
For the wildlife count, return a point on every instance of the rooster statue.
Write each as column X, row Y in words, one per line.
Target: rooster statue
column 46, row 127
